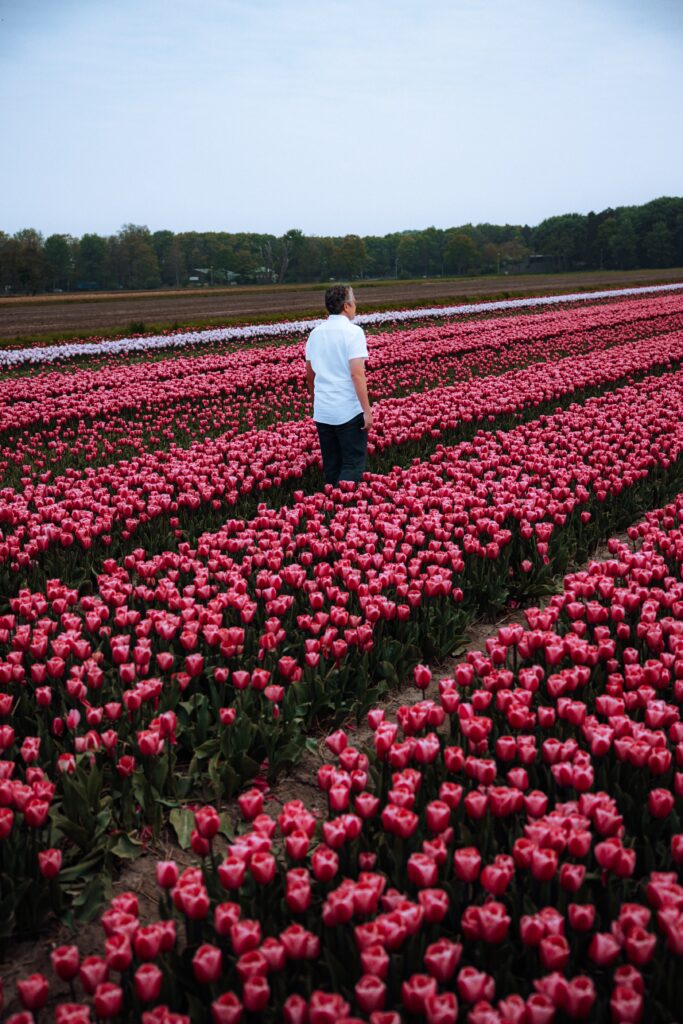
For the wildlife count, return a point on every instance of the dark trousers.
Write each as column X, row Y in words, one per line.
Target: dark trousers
column 344, row 449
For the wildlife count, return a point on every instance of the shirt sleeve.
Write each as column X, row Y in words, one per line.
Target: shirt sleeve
column 308, row 347
column 357, row 346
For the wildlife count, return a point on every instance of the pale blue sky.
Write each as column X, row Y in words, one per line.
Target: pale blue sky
column 334, row 117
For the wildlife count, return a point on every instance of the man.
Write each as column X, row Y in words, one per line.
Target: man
column 335, row 373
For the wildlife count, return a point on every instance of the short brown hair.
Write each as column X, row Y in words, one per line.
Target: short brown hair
column 336, row 296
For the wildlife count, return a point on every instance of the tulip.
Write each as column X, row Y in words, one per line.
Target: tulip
column 262, row 867
column 108, row 1000
column 554, row 952
column 227, row 1009
column 604, row 949
column 626, row 1004
column 250, row 804
column 92, row 972
column 232, row 872
column 442, row 958
column 207, row 964
column 467, row 863
column 324, row 864
column 65, row 962
column 166, row 874
column 147, row 942
column 33, row 991
column 474, row 985
column 416, row 990
column 374, row 961
column 255, row 993
column 422, row 676
column 118, row 951
column 441, row 1008
column 207, row 822
column 639, row 946
column 245, row 935
column 147, row 980
column 370, row 992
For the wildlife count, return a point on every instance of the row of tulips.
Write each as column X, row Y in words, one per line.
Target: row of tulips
column 508, row 852
column 81, row 418
column 42, row 355
column 190, row 668
column 150, row 499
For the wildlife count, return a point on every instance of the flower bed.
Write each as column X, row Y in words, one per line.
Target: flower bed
column 195, row 486
column 508, row 852
column 186, row 669
column 86, row 418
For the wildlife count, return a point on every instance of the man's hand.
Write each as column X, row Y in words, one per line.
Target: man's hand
column 367, row 416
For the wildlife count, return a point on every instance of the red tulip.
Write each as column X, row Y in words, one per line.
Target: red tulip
column 33, row 991
column 255, row 993
column 207, row 964
column 92, row 972
column 108, row 1000
column 416, row 990
column 147, row 980
column 626, row 1005
column 442, row 958
column 441, row 1008
column 227, row 1009
column 370, row 992
column 65, row 962
column 474, row 985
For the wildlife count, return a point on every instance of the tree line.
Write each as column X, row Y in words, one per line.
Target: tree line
column 624, row 238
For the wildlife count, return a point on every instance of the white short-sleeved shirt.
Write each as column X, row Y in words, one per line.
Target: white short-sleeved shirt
column 329, row 348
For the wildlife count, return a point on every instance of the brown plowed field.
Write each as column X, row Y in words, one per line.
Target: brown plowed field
column 106, row 311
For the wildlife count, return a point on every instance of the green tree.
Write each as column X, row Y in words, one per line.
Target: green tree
column 137, row 261
column 58, row 254
column 623, row 244
column 30, row 267
column 350, row 257
column 658, row 245
column 460, row 252
column 91, row 262
column 408, row 255
column 169, row 257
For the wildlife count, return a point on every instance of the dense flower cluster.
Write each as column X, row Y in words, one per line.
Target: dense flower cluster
column 89, row 416
column 181, row 339
column 79, row 509
column 509, row 851
column 216, row 658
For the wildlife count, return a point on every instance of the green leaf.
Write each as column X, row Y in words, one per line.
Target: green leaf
column 207, row 749
column 388, row 671
column 126, row 847
column 88, row 903
column 182, row 822
column 226, row 828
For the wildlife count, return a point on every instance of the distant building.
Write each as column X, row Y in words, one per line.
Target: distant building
column 213, row 275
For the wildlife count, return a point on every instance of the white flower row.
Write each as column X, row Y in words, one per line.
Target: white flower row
column 51, row 353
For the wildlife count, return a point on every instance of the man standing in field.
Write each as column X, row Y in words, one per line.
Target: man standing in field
column 335, row 373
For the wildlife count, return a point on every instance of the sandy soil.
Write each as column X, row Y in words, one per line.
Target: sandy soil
column 26, row 316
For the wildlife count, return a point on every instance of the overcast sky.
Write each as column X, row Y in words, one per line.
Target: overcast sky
column 334, row 116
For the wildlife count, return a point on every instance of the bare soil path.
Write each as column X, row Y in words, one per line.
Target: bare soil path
column 22, row 316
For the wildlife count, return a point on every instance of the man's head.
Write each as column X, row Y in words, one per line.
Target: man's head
column 340, row 299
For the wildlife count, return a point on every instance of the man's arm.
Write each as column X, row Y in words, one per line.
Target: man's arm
column 357, row 367
column 310, row 376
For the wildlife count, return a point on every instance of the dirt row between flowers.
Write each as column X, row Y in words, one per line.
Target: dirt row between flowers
column 24, row 317
column 139, row 876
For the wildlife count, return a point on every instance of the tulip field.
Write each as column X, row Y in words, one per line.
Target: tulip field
column 186, row 612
